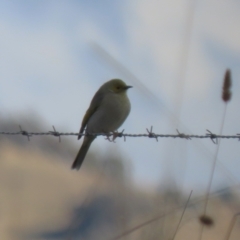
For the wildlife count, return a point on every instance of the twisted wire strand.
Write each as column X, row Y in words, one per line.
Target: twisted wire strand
column 149, row 135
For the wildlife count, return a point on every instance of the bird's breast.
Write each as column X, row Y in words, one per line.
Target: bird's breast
column 110, row 115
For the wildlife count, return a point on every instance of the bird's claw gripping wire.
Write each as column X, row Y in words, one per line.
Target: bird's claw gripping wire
column 114, row 135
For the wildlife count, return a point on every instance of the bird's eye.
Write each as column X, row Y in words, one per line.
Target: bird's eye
column 118, row 87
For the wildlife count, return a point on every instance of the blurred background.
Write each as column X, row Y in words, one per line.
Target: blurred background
column 54, row 55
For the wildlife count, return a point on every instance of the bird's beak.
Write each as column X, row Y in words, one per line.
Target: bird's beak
column 127, row 87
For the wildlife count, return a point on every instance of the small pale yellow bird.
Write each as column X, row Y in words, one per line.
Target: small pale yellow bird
column 108, row 110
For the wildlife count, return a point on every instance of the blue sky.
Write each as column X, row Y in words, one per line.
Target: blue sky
column 48, row 65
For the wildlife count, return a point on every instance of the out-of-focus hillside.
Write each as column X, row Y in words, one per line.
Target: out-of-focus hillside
column 42, row 198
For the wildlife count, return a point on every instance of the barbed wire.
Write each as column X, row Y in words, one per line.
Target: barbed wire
column 113, row 135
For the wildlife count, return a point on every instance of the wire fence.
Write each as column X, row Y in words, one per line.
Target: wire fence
column 113, row 135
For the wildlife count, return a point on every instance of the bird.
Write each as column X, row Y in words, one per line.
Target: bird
column 108, row 110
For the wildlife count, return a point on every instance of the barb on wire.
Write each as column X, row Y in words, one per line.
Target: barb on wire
column 56, row 134
column 238, row 134
column 212, row 136
column 25, row 133
column 182, row 135
column 151, row 134
column 120, row 134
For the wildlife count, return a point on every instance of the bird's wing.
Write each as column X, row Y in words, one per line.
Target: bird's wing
column 95, row 103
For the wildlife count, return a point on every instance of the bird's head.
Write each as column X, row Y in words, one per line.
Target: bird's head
column 116, row 86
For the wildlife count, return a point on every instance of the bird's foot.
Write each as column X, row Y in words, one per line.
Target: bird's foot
column 113, row 135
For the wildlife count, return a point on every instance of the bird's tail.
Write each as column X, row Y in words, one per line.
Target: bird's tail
column 82, row 152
